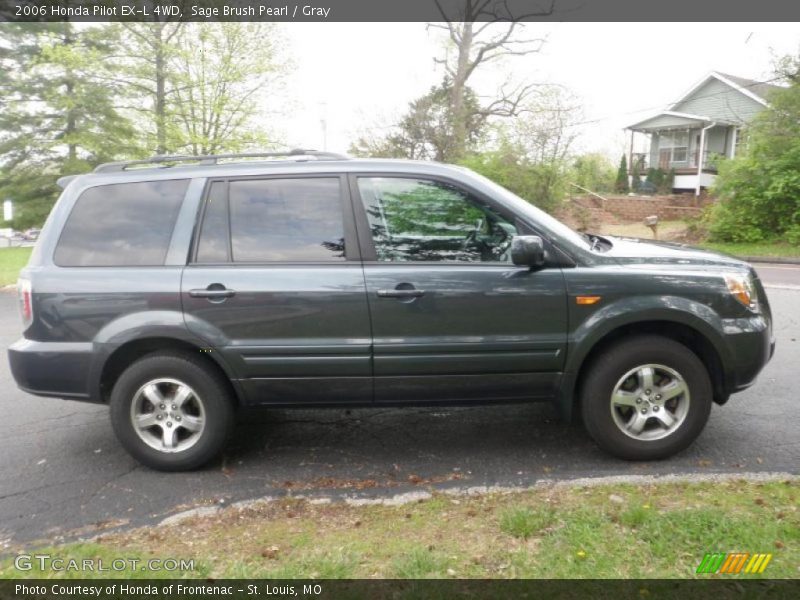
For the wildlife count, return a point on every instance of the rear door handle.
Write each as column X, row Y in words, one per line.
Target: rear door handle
column 400, row 293
column 215, row 291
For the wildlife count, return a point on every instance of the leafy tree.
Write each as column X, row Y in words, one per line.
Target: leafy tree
column 148, row 77
column 224, row 73
column 540, row 139
column 57, row 116
column 593, row 172
column 541, row 184
column 759, row 189
column 621, row 183
column 427, row 131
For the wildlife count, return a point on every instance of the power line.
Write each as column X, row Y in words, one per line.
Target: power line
column 669, row 104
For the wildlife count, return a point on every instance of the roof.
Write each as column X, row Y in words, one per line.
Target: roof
column 761, row 89
column 272, row 167
column 757, row 90
column 669, row 119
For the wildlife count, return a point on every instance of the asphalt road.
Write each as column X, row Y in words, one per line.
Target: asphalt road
column 62, row 473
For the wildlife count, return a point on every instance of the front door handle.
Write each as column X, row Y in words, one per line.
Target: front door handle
column 215, row 291
column 400, row 293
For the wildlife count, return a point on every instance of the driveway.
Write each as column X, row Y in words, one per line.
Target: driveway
column 62, row 472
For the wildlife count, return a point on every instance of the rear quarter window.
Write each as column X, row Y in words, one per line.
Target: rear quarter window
column 125, row 224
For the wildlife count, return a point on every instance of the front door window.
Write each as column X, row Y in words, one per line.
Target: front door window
column 421, row 220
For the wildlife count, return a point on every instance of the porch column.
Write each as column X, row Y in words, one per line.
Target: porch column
column 700, row 152
column 630, row 163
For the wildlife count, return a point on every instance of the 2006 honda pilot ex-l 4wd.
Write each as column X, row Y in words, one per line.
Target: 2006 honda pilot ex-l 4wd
column 178, row 290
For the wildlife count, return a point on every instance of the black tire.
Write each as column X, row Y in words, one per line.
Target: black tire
column 620, row 359
column 212, row 393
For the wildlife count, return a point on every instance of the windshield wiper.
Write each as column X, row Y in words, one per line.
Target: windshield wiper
column 597, row 242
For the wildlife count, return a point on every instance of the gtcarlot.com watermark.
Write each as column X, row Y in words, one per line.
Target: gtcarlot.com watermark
column 48, row 562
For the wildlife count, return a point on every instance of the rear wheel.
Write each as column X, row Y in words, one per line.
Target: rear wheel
column 170, row 412
column 646, row 398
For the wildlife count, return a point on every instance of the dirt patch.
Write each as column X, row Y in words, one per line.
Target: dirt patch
column 334, row 483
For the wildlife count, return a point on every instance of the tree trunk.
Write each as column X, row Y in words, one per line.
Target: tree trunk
column 459, row 142
column 69, row 84
column 160, row 103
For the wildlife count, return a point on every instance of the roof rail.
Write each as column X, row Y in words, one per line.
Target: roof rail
column 164, row 161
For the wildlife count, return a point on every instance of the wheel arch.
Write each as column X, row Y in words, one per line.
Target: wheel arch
column 684, row 333
column 127, row 353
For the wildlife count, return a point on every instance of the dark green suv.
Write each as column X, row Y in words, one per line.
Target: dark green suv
column 179, row 289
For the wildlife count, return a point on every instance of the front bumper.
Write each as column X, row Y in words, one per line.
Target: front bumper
column 59, row 369
column 751, row 345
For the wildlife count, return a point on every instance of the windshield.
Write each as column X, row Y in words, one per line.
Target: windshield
column 539, row 216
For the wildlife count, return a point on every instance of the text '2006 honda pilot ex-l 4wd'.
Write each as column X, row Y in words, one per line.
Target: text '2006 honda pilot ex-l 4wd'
column 177, row 290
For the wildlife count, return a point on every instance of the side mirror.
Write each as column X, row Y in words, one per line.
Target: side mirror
column 527, row 251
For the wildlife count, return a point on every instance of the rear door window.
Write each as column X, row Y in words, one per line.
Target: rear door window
column 274, row 220
column 125, row 224
column 214, row 245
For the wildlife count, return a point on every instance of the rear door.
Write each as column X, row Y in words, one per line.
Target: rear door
column 276, row 285
column 452, row 317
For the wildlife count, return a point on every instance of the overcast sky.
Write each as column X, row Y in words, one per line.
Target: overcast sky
column 362, row 75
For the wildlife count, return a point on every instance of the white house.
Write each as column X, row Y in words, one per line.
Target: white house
column 700, row 127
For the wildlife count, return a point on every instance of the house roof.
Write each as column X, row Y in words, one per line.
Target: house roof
column 761, row 89
column 756, row 90
column 669, row 119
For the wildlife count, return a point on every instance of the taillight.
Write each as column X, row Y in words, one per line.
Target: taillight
column 25, row 301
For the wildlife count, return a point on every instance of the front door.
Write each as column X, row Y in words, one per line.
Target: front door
column 664, row 158
column 275, row 284
column 452, row 318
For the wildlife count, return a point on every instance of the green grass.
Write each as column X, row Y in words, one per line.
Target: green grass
column 420, row 563
column 671, row 230
column 667, row 230
column 11, row 261
column 523, row 521
column 614, row 531
column 765, row 249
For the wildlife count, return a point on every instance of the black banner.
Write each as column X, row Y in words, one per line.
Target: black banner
column 80, row 589
column 400, row 10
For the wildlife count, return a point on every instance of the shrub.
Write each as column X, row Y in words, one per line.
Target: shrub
column 542, row 184
column 759, row 189
column 621, row 185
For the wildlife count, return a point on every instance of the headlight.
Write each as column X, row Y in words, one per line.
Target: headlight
column 742, row 288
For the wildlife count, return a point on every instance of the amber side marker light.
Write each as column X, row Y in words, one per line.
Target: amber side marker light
column 585, row 300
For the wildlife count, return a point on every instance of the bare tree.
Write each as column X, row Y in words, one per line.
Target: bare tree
column 480, row 34
column 546, row 131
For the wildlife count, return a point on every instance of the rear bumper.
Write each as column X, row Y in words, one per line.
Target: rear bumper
column 52, row 368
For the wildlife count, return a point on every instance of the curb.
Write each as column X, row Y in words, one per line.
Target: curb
column 455, row 492
column 769, row 259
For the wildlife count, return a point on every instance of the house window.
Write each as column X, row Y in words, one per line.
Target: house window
column 675, row 145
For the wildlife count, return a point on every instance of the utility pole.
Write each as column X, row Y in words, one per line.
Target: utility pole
column 324, row 125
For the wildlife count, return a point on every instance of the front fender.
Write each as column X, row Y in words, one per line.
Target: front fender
column 626, row 311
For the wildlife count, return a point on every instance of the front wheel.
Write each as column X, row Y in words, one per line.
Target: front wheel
column 170, row 412
column 646, row 398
